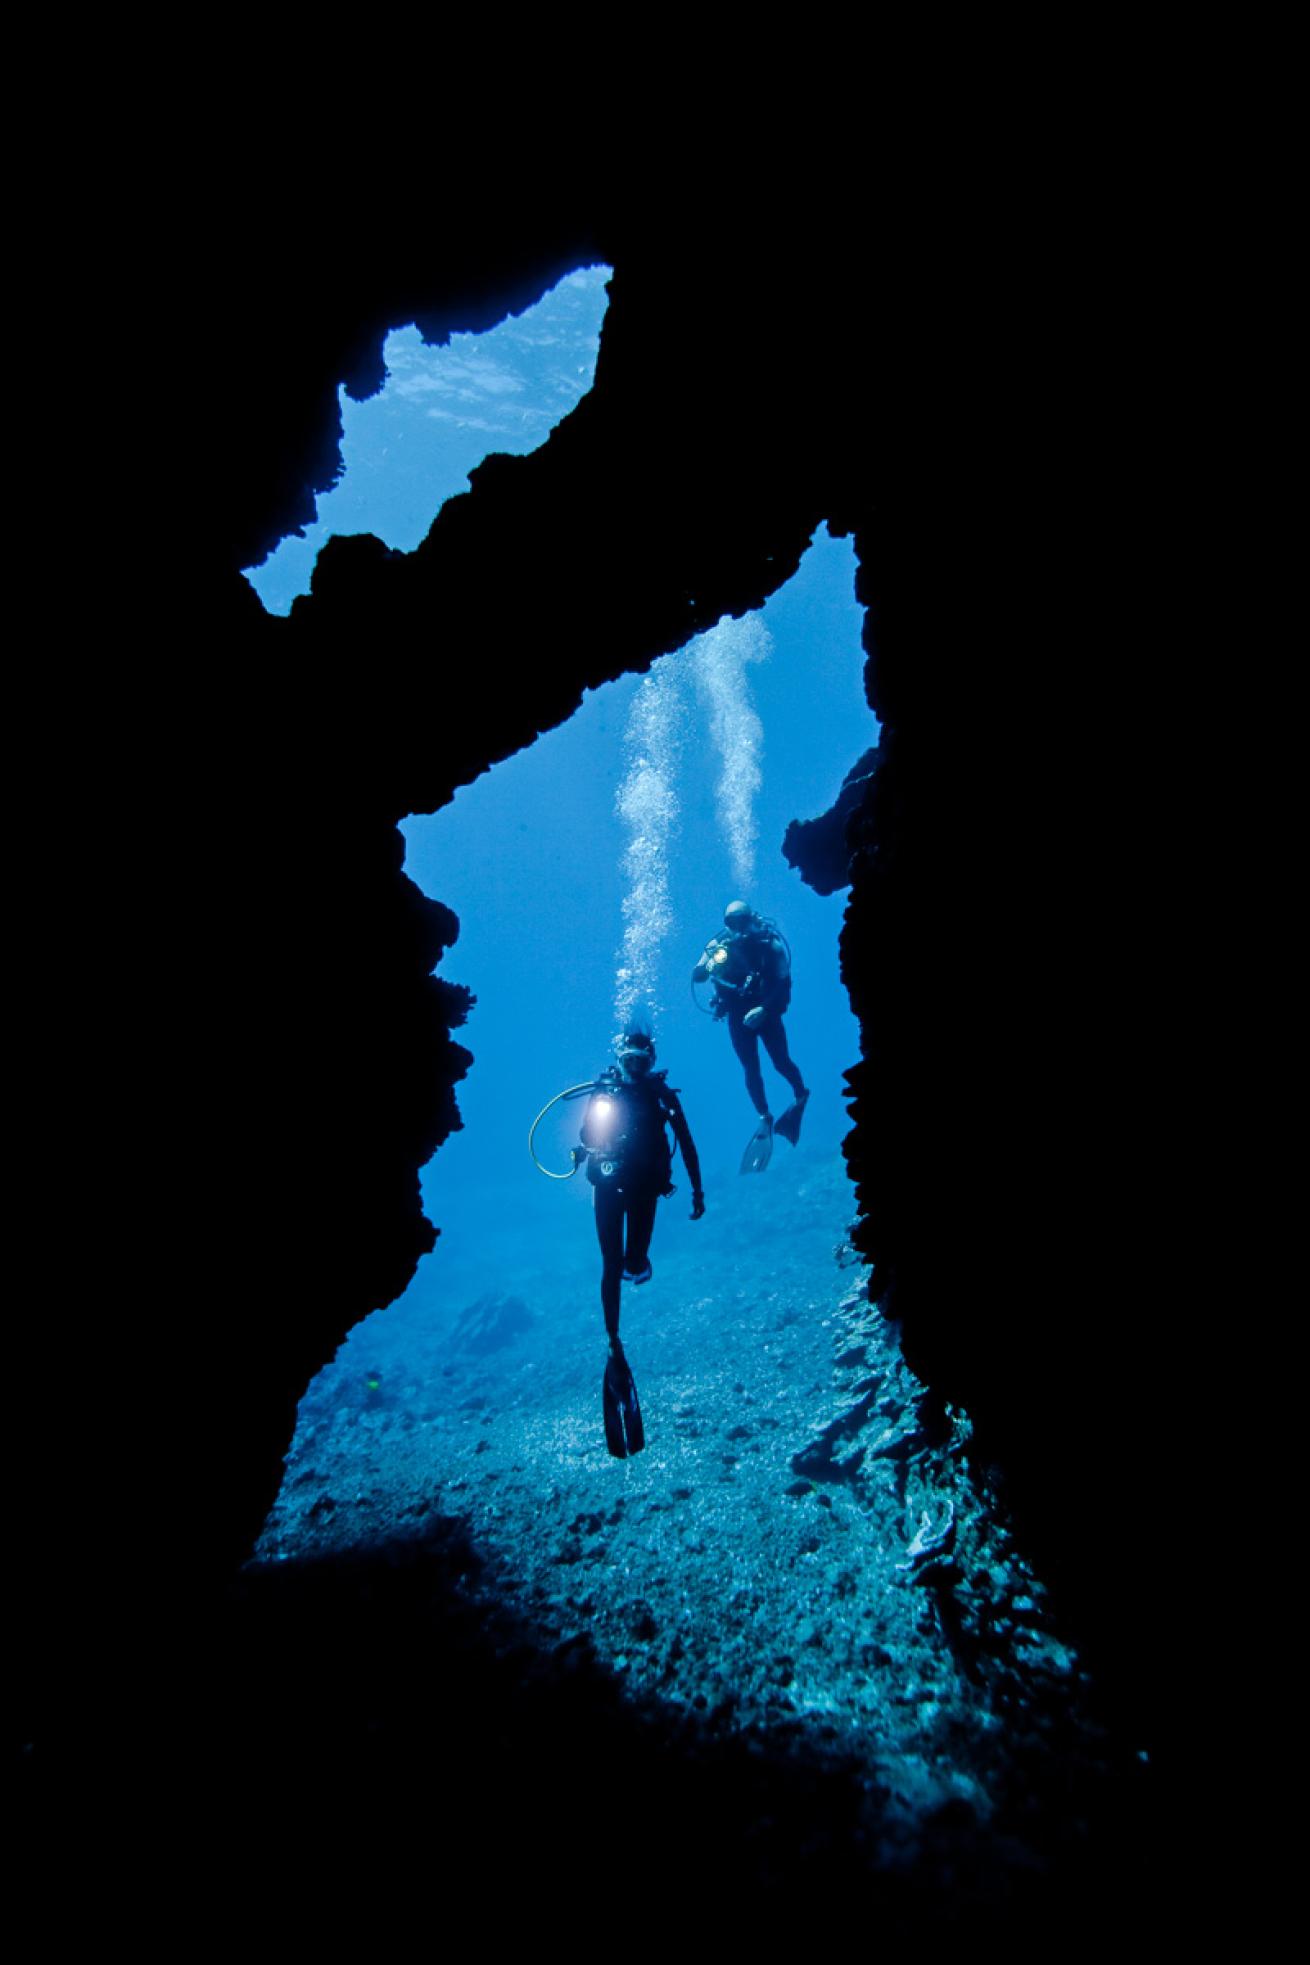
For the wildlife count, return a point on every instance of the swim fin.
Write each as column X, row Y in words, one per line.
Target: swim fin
column 788, row 1124
column 759, row 1148
column 624, row 1432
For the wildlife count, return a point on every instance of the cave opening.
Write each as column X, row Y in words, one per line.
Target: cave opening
column 587, row 872
column 798, row 1557
column 442, row 408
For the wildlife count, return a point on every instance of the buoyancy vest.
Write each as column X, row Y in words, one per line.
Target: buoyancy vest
column 624, row 1132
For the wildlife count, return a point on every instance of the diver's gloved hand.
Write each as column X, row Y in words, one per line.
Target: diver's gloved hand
column 754, row 1018
column 697, row 1205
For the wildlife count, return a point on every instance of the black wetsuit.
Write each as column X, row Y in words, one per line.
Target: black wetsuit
column 755, row 975
column 628, row 1163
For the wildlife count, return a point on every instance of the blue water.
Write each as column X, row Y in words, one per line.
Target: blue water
column 537, row 862
column 441, row 411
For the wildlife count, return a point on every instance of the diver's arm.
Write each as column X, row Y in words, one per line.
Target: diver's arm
column 711, row 963
column 690, row 1157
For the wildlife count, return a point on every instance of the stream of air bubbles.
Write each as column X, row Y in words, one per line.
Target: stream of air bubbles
column 712, row 670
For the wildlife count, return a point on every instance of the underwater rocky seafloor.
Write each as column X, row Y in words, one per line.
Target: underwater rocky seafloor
column 802, row 1561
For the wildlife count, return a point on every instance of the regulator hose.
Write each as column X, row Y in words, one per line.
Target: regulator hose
column 573, row 1091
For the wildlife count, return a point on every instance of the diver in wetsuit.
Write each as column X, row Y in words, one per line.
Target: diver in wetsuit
column 628, row 1164
column 750, row 968
column 628, row 1160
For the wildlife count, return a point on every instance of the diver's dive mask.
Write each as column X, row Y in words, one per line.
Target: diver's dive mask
column 636, row 1058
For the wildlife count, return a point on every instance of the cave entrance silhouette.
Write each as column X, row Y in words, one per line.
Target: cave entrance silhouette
column 765, row 1565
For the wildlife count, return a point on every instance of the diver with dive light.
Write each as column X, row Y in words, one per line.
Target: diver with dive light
column 749, row 965
column 625, row 1149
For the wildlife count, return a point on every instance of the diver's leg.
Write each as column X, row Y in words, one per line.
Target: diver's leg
column 746, row 1045
column 609, row 1230
column 775, row 1043
column 641, row 1223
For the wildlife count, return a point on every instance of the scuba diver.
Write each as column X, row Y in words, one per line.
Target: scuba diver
column 750, row 967
column 625, row 1149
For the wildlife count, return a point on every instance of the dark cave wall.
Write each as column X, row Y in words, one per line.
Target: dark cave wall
column 999, row 915
column 818, row 848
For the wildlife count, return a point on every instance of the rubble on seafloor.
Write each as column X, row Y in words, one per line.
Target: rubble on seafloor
column 802, row 1553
